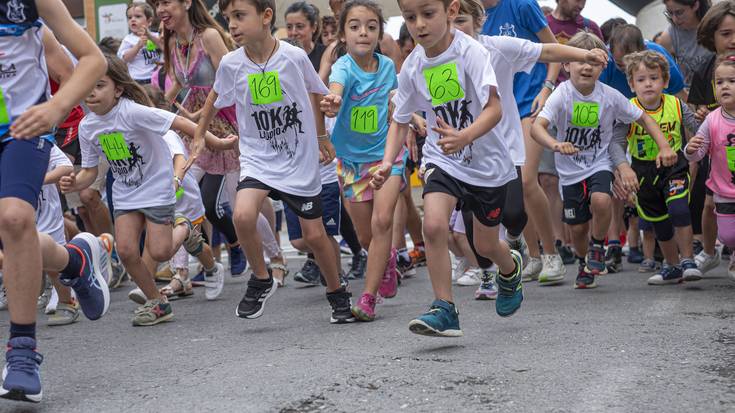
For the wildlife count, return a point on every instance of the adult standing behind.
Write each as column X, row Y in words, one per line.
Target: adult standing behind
column 680, row 38
column 303, row 24
column 524, row 19
column 566, row 20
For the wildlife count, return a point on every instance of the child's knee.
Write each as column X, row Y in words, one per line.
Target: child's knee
column 435, row 229
column 601, row 201
column 679, row 212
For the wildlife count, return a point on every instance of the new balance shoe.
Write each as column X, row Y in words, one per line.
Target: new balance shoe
column 553, row 271
column 518, row 245
column 389, row 285
column 510, row 289
column 214, row 285
column 706, row 262
column 691, row 272
column 648, row 265
column 596, row 260
column 461, row 265
column 22, row 373
column 309, row 273
column 153, row 312
column 585, row 280
column 614, row 258
column 364, row 310
column 90, row 286
column 341, row 303
column 358, row 266
column 669, row 274
column 487, row 289
column 65, row 314
column 635, row 256
column 470, row 277
column 258, row 292
column 442, row 320
column 532, row 270
column 238, row 262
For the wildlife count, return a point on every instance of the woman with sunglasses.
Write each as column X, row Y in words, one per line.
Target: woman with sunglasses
column 680, row 38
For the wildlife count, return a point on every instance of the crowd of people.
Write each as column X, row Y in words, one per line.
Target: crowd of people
column 541, row 140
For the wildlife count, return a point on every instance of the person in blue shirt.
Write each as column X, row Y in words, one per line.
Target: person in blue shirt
column 628, row 39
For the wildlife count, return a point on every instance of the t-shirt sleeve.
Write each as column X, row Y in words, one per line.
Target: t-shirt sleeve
column 531, row 16
column 625, row 110
column 480, row 71
column 174, row 143
column 688, row 118
column 704, row 133
column 125, row 45
column 522, row 54
column 58, row 158
column 155, row 120
column 554, row 105
column 90, row 152
column 340, row 72
column 405, row 99
column 224, row 84
column 618, row 145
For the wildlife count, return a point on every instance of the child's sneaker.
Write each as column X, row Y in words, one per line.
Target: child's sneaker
column 553, row 271
column 358, row 266
column 518, row 245
column 65, row 314
column 647, row 265
column 405, row 267
column 153, row 312
column 3, row 299
column 614, row 258
column 257, row 293
column 669, row 274
column 596, row 260
column 309, row 273
column 461, row 264
column 706, row 262
column 442, row 320
column 364, row 310
column 90, row 286
column 389, row 286
column 214, row 284
column 418, row 257
column 510, row 290
column 585, row 280
column 341, row 302
column 635, row 256
column 487, row 289
column 137, row 296
column 470, row 277
column 691, row 272
column 532, row 270
column 22, row 373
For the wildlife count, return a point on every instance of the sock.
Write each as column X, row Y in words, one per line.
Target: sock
column 74, row 267
column 558, row 243
column 580, row 259
column 510, row 237
column 613, row 243
column 22, row 330
column 209, row 271
column 597, row 242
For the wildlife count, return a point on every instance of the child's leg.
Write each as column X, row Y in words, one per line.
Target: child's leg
column 127, row 235
column 580, row 238
column 247, row 209
column 550, row 185
column 709, row 225
column 488, row 244
column 601, row 207
column 437, row 210
column 317, row 240
column 726, row 229
column 665, row 235
column 362, row 213
column 634, row 233
column 649, row 243
column 460, row 239
column 399, row 224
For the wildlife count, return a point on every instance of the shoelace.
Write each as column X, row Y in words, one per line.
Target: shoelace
column 22, row 360
column 667, row 272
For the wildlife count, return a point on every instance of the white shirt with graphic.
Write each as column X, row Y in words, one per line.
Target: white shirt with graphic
column 461, row 80
column 278, row 142
column 49, row 216
column 587, row 122
column 130, row 136
column 145, row 62
column 190, row 204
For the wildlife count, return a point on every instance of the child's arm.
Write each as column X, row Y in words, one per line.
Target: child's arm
column 698, row 146
column 540, row 133
column 545, row 35
column 665, row 157
column 397, row 133
column 180, row 166
column 60, row 67
column 129, row 55
column 75, row 182
column 331, row 103
column 626, row 179
column 453, row 140
column 55, row 175
column 192, row 129
column 41, row 118
column 326, row 149
column 559, row 53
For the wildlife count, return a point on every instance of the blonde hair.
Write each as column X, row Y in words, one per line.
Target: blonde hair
column 587, row 41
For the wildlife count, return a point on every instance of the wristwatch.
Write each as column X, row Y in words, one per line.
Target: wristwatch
column 549, row 85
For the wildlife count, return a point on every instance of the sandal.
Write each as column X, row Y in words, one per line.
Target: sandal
column 278, row 266
column 178, row 287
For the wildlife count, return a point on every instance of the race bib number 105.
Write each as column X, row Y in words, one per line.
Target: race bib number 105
column 586, row 114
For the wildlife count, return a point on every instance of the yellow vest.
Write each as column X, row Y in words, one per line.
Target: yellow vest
column 668, row 118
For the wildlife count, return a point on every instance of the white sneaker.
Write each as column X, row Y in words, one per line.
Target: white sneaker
column 532, row 270
column 214, row 284
column 53, row 302
column 706, row 262
column 471, row 277
column 553, row 271
column 730, row 269
column 136, row 295
column 461, row 264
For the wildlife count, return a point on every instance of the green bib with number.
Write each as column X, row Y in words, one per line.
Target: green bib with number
column 586, row 114
column 114, row 146
column 4, row 116
column 669, row 119
column 443, row 83
column 364, row 119
column 265, row 88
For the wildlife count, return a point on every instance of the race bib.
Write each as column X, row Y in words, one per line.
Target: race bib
column 114, row 146
column 443, row 83
column 265, row 88
column 586, row 114
column 4, row 117
column 730, row 152
column 364, row 119
column 150, row 46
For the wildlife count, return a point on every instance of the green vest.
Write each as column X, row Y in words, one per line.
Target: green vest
column 668, row 118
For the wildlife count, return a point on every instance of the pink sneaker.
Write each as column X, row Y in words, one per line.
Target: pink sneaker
column 364, row 310
column 389, row 285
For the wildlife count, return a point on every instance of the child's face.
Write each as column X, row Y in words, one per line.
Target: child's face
column 298, row 27
column 464, row 23
column 245, row 23
column 583, row 75
column 172, row 12
column 104, row 96
column 725, row 35
column 362, row 29
column 428, row 20
column 137, row 20
column 329, row 34
column 725, row 85
column 647, row 83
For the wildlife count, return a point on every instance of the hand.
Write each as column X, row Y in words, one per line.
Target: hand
column 666, row 157
column 143, row 36
column 540, row 101
column 330, row 105
column 565, row 148
column 326, row 151
column 37, row 120
column 596, row 57
column 381, row 175
column 192, row 116
column 419, row 125
column 195, row 148
column 701, row 113
column 66, row 183
column 694, row 145
column 627, row 177
column 413, row 149
column 450, row 140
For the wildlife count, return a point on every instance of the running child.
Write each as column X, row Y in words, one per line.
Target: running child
column 715, row 138
column 141, row 48
column 584, row 110
column 468, row 167
column 276, row 92
column 360, row 85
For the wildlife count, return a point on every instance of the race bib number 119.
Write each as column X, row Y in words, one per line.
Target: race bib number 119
column 265, row 88
column 443, row 83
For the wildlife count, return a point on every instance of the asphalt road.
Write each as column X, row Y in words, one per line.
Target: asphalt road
column 623, row 347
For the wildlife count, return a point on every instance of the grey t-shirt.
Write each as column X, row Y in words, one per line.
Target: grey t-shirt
column 689, row 55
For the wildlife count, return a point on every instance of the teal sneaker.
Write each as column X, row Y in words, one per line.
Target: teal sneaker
column 510, row 290
column 442, row 320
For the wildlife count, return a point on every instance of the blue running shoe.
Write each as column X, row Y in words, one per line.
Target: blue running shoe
column 596, row 260
column 22, row 373
column 238, row 262
column 510, row 290
column 585, row 280
column 442, row 320
column 669, row 274
column 90, row 286
column 635, row 256
column 344, row 248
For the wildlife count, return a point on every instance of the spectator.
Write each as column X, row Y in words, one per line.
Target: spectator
column 680, row 38
column 566, row 20
column 610, row 25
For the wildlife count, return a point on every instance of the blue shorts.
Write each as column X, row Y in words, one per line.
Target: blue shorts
column 331, row 213
column 23, row 165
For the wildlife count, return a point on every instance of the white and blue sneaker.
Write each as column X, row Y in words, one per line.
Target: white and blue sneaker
column 22, row 372
column 691, row 271
column 90, row 286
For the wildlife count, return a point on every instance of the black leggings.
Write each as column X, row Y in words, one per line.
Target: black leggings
column 347, row 230
column 212, row 187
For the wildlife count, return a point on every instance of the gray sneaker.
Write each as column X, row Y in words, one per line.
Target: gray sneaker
column 648, row 265
column 706, row 262
column 65, row 314
column 3, row 299
column 45, row 296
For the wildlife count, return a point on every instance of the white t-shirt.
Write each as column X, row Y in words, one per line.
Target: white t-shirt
column 278, row 142
column 144, row 63
column 49, row 216
column 511, row 55
column 139, row 158
column 590, row 130
column 190, row 204
column 486, row 162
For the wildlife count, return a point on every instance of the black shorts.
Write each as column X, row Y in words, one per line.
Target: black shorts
column 660, row 186
column 304, row 207
column 485, row 203
column 725, row 208
column 576, row 197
